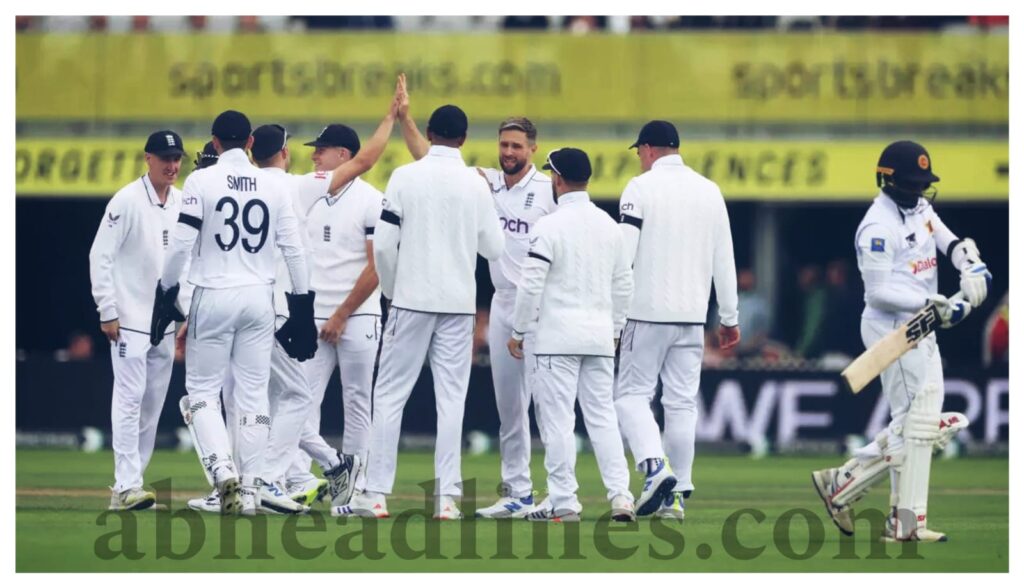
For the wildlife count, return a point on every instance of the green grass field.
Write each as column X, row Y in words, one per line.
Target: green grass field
column 62, row 497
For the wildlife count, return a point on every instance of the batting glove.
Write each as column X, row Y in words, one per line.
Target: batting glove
column 951, row 312
column 975, row 279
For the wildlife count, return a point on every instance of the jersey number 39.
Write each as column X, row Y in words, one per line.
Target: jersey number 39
column 255, row 227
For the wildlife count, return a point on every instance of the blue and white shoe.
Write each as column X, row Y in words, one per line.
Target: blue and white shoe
column 671, row 507
column 273, row 500
column 341, row 479
column 658, row 486
column 508, row 507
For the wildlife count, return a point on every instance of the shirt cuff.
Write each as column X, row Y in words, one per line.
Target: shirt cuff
column 518, row 336
column 108, row 314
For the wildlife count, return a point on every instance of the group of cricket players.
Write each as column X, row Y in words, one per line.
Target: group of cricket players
column 270, row 281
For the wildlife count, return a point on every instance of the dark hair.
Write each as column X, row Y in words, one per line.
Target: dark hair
column 228, row 145
column 519, row 123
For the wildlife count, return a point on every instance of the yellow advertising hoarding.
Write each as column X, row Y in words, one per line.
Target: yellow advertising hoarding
column 745, row 170
column 712, row 77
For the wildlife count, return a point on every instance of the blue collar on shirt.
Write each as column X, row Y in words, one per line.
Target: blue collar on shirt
column 666, row 160
column 442, row 151
column 573, row 198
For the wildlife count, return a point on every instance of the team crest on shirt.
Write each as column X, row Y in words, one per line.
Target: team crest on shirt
column 529, row 201
column 166, row 237
column 327, row 233
column 912, row 240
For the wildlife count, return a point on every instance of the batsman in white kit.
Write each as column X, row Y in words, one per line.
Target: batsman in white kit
column 897, row 245
column 124, row 261
column 676, row 229
column 232, row 219
column 573, row 295
column 438, row 214
column 522, row 195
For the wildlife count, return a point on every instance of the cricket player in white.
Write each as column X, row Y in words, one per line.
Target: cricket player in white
column 233, row 217
column 339, row 229
column 676, row 229
column 897, row 245
column 294, row 403
column 522, row 195
column 124, row 262
column 574, row 291
column 438, row 214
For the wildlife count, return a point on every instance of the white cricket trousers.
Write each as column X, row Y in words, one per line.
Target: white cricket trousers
column 410, row 337
column 354, row 356
column 231, row 330
column 674, row 353
column 907, row 376
column 511, row 395
column 556, row 382
column 141, row 376
column 291, row 402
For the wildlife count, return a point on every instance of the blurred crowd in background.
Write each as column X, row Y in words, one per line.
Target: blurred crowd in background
column 487, row 24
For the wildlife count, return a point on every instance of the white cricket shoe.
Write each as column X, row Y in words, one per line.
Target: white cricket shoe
column 369, row 505
column 229, row 489
column 341, row 479
column 508, row 507
column 921, row 534
column 446, row 509
column 131, row 499
column 671, row 507
column 250, row 497
column 825, row 484
column 658, row 486
column 273, row 500
column 209, row 503
column 622, row 509
column 545, row 513
column 307, row 492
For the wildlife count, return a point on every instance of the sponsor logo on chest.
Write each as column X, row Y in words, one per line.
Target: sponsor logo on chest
column 515, row 225
column 923, row 265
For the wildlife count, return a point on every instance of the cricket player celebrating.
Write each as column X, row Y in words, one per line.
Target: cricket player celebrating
column 438, row 214
column 340, row 229
column 574, row 291
column 124, row 261
column 233, row 217
column 522, row 195
column 294, row 402
column 676, row 229
column 897, row 244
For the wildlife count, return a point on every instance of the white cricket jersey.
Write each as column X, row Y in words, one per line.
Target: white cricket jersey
column 128, row 253
column 576, row 281
column 337, row 230
column 305, row 190
column 676, row 222
column 233, row 218
column 896, row 255
column 438, row 214
column 519, row 208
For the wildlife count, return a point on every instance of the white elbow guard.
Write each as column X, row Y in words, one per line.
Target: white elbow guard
column 963, row 252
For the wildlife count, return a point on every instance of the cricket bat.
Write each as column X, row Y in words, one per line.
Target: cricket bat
column 883, row 353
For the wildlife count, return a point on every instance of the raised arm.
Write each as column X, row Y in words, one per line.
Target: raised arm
column 368, row 154
column 414, row 141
